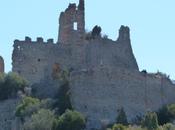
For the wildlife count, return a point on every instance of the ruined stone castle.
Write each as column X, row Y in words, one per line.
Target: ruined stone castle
column 104, row 75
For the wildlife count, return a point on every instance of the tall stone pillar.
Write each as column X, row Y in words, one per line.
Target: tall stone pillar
column 1, row 65
column 81, row 19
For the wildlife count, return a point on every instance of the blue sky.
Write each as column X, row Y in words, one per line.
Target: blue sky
column 152, row 24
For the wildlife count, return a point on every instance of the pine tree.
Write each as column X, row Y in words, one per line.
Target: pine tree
column 121, row 118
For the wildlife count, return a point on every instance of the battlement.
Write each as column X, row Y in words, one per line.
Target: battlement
column 39, row 40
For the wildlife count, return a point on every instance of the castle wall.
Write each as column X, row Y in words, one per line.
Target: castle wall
column 104, row 76
column 106, row 90
column 35, row 60
column 104, row 73
column 7, row 116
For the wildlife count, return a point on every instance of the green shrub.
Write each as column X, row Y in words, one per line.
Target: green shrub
column 27, row 106
column 42, row 120
column 70, row 120
column 96, row 31
column 135, row 128
column 63, row 102
column 2, row 78
column 168, row 126
column 63, row 99
column 150, row 121
column 137, row 120
column 166, row 114
column 121, row 118
column 171, row 110
column 10, row 84
column 30, row 105
column 118, row 127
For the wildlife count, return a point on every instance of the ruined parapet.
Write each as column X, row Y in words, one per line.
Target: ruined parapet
column 1, row 65
column 72, row 24
column 124, row 34
column 125, row 42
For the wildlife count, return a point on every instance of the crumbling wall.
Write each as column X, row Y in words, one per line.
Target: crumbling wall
column 34, row 60
column 72, row 24
column 105, row 90
column 104, row 73
column 1, row 65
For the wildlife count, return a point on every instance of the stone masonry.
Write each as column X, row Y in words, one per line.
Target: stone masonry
column 1, row 65
column 72, row 24
column 104, row 74
column 7, row 116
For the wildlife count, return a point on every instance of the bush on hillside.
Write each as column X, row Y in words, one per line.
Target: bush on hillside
column 166, row 114
column 27, row 106
column 118, row 127
column 171, row 109
column 137, row 120
column 168, row 126
column 30, row 105
column 70, row 120
column 150, row 121
column 10, row 84
column 63, row 101
column 42, row 120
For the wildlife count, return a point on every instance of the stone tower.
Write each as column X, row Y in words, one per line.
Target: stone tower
column 1, row 65
column 72, row 24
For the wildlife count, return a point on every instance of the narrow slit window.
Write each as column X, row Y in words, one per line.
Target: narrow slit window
column 75, row 26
